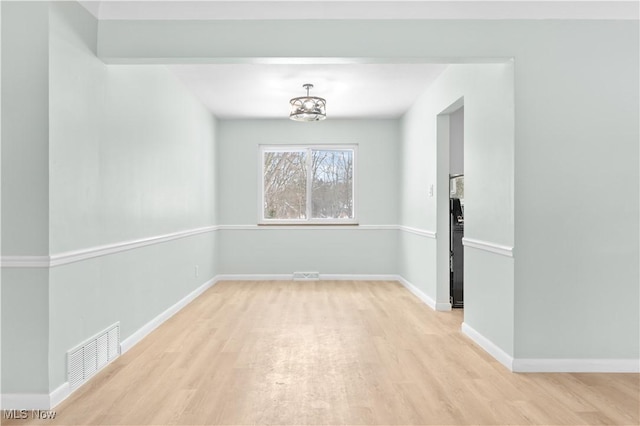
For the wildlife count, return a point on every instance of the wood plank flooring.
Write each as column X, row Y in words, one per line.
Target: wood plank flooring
column 330, row 353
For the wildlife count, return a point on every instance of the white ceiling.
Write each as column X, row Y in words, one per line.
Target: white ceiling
column 351, row 90
column 380, row 90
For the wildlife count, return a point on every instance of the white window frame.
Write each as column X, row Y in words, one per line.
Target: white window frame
column 309, row 221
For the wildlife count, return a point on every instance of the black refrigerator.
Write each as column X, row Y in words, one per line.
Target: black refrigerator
column 456, row 260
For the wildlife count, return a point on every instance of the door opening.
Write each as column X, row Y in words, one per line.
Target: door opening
column 450, row 207
column 456, row 233
column 456, row 208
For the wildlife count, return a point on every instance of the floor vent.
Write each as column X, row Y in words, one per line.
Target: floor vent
column 91, row 356
column 306, row 276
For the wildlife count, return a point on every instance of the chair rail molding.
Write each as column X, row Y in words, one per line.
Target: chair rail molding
column 488, row 246
column 64, row 258
column 97, row 251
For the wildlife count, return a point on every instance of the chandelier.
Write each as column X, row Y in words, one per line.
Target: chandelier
column 308, row 108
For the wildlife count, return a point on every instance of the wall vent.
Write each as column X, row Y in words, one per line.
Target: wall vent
column 306, row 276
column 88, row 358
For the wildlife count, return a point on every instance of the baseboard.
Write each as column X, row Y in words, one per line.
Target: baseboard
column 146, row 329
column 60, row 394
column 49, row 401
column 359, row 277
column 565, row 365
column 26, row 401
column 342, row 277
column 29, row 401
column 289, row 277
column 560, row 365
column 443, row 307
column 417, row 292
column 254, row 277
column 491, row 348
column 37, row 401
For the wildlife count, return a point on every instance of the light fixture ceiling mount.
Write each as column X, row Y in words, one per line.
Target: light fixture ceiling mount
column 308, row 108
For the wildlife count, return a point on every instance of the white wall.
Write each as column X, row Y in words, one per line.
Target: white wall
column 487, row 92
column 130, row 155
column 575, row 84
column 577, row 213
column 269, row 250
column 25, row 202
column 576, row 117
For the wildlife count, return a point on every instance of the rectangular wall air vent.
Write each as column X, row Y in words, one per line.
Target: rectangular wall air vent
column 89, row 357
column 306, row 276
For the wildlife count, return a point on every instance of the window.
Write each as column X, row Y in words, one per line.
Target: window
column 309, row 184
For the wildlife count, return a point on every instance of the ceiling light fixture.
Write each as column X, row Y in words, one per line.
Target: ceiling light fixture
column 308, row 108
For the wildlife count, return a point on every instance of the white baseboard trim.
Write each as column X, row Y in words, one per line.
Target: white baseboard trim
column 26, row 401
column 60, row 394
column 146, row 329
column 37, row 401
column 289, row 277
column 417, row 292
column 49, row 401
column 560, row 365
column 436, row 306
column 565, row 365
column 443, row 307
column 359, row 277
column 341, row 277
column 254, row 277
column 491, row 348
column 338, row 227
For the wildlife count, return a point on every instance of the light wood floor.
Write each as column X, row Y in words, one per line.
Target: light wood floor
column 330, row 353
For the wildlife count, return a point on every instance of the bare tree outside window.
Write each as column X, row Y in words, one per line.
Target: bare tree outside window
column 332, row 188
column 285, row 185
column 308, row 184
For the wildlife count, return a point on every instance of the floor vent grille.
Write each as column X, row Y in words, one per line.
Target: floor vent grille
column 306, row 276
column 91, row 356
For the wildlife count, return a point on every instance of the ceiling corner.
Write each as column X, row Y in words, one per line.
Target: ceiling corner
column 93, row 6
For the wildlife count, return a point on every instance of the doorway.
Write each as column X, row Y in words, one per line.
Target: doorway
column 450, row 206
column 456, row 207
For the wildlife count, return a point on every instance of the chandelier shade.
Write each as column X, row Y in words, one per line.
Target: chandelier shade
column 308, row 108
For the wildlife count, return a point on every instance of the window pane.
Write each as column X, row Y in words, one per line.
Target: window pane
column 332, row 184
column 285, row 185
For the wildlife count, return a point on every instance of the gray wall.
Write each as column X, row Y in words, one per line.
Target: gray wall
column 25, row 201
column 576, row 182
column 487, row 93
column 25, row 134
column 575, row 276
column 263, row 250
column 576, row 120
column 132, row 156
column 124, row 153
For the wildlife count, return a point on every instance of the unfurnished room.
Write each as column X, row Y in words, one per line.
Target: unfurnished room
column 340, row 212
